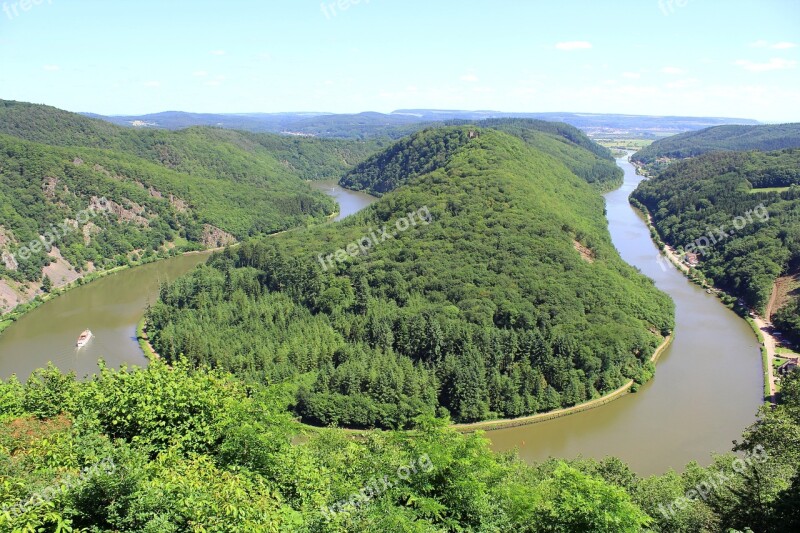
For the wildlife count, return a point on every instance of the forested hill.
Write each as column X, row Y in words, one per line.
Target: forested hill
column 701, row 198
column 721, row 138
column 167, row 191
column 55, row 193
column 262, row 159
column 408, row 157
column 491, row 289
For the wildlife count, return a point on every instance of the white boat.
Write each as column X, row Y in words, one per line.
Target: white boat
column 84, row 338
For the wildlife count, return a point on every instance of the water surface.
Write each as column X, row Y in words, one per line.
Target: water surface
column 111, row 307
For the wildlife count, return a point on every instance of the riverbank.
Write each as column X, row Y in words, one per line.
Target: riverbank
column 491, row 425
column 40, row 299
column 144, row 340
column 487, row 425
column 761, row 329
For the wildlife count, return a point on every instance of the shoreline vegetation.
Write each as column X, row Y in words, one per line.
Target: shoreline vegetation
column 766, row 340
column 9, row 318
column 485, row 425
column 492, row 425
column 37, row 301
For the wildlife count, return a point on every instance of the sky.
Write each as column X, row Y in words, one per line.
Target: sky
column 725, row 58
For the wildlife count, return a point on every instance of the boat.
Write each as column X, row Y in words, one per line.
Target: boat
column 84, row 338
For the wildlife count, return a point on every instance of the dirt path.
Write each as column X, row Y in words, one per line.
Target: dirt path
column 772, row 299
column 769, row 344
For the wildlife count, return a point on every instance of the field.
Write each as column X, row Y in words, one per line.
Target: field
column 769, row 189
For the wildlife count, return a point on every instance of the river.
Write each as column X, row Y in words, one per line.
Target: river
column 707, row 388
column 349, row 201
column 706, row 391
column 111, row 307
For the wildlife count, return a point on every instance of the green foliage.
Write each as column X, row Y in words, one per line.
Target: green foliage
column 168, row 187
column 218, row 457
column 576, row 502
column 787, row 320
column 487, row 310
column 432, row 148
column 584, row 157
column 720, row 138
column 207, row 453
column 693, row 198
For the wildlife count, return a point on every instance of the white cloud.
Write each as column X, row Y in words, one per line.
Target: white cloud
column 470, row 78
column 217, row 52
column 574, row 45
column 51, row 68
column 200, row 73
column 672, row 70
column 775, row 63
column 631, row 75
column 153, row 84
column 783, row 45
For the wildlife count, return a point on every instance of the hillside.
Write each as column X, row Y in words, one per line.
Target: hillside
column 261, row 159
column 167, row 191
column 414, row 155
column 720, row 138
column 56, row 193
column 498, row 295
column 700, row 199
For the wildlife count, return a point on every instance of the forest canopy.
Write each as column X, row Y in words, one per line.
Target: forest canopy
column 729, row 138
column 510, row 300
column 712, row 195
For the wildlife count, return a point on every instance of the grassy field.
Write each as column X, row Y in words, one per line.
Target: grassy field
column 623, row 144
column 769, row 189
column 786, row 352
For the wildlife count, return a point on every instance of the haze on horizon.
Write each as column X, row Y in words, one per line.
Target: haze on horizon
column 655, row 57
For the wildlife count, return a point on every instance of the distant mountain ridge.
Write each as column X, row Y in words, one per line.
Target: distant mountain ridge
column 402, row 122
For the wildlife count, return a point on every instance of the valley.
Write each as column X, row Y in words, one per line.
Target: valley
column 399, row 267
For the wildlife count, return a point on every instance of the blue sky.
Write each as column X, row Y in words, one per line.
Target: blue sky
column 662, row 57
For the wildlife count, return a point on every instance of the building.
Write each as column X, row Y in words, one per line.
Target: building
column 787, row 367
